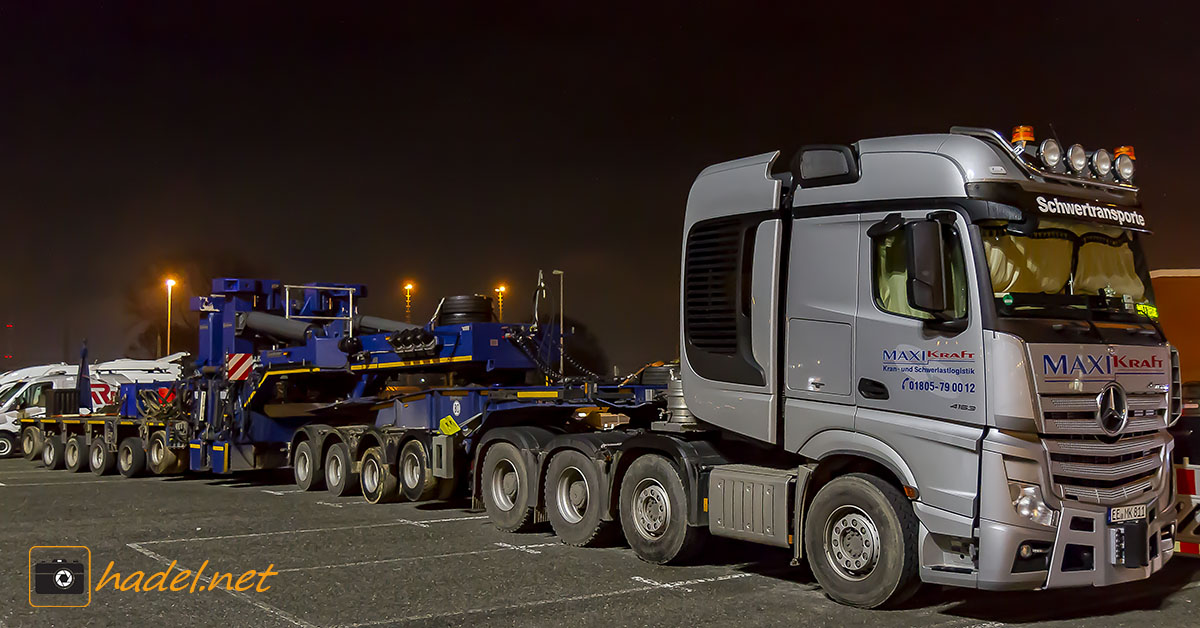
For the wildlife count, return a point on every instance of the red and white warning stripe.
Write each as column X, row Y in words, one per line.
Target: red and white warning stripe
column 1185, row 479
column 1187, row 535
column 238, row 365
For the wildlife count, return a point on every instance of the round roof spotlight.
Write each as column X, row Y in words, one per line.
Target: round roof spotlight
column 1051, row 153
column 1124, row 168
column 1101, row 163
column 1077, row 158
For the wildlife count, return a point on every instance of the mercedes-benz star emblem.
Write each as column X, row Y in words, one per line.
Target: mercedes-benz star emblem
column 1114, row 409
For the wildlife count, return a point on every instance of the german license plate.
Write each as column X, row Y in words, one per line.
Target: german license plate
column 1121, row 514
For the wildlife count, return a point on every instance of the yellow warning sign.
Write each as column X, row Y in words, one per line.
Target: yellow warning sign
column 448, row 426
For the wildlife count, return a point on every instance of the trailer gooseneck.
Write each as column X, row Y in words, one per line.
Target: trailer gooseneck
column 912, row 359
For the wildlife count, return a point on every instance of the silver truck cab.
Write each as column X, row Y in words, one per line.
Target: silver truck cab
column 971, row 320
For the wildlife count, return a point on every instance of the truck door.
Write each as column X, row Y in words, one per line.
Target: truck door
column 918, row 382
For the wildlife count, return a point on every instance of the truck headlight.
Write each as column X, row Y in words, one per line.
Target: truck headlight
column 1028, row 502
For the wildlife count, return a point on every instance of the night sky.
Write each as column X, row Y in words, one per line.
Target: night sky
column 374, row 143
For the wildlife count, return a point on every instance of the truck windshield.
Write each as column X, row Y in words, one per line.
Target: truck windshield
column 8, row 392
column 1068, row 269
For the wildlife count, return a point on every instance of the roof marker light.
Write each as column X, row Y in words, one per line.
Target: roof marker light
column 1023, row 133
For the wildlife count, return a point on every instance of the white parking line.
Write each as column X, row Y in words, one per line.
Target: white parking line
column 364, row 526
column 282, row 492
column 339, row 505
column 66, row 483
column 506, row 548
column 279, row 613
column 680, row 585
column 660, row 585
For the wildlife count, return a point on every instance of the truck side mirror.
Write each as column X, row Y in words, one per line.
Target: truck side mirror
column 928, row 284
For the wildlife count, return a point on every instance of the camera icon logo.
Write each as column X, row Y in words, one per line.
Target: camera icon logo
column 60, row 576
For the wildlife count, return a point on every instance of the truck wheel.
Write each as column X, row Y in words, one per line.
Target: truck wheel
column 52, row 452
column 506, row 497
column 8, row 445
column 378, row 479
column 860, row 536
column 100, row 459
column 339, row 479
column 162, row 460
column 131, row 457
column 307, row 468
column 573, row 489
column 654, row 512
column 32, row 441
column 416, row 478
column 75, row 454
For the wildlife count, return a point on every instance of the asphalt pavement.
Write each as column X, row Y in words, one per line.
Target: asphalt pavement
column 343, row 562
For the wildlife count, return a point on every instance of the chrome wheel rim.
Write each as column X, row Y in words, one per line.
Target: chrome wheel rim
column 851, row 542
column 47, row 453
column 71, row 454
column 97, row 457
column 571, row 494
column 5, row 447
column 651, row 509
column 303, row 465
column 506, row 485
column 126, row 458
column 156, row 452
column 412, row 470
column 335, row 470
column 27, row 441
column 370, row 475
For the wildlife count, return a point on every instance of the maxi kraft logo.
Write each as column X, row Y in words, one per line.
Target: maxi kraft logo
column 1087, row 364
column 922, row 356
column 1099, row 212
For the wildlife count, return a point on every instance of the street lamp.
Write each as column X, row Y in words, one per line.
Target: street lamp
column 170, row 284
column 562, row 322
column 500, row 302
column 408, row 288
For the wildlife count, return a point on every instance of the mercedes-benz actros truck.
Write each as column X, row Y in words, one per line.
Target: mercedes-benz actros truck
column 930, row 358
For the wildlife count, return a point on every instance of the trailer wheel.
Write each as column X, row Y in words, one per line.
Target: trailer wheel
column 307, row 468
column 378, row 479
column 162, row 459
column 654, row 512
column 506, row 497
column 52, row 452
column 8, row 445
column 339, row 478
column 860, row 536
column 573, row 489
column 32, row 441
column 101, row 460
column 416, row 478
column 75, row 454
column 131, row 457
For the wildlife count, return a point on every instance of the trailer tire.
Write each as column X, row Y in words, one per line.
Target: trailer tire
column 8, row 445
column 75, row 456
column 864, row 516
column 416, row 478
column 131, row 457
column 339, row 479
column 654, row 512
column 52, row 452
column 378, row 479
column 307, row 468
column 505, row 494
column 32, row 441
column 101, row 460
column 162, row 459
column 573, row 489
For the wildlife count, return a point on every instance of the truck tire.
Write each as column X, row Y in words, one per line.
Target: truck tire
column 101, row 460
column 32, row 441
column 339, row 479
column 573, row 489
column 75, row 454
column 8, row 445
column 378, row 479
column 131, row 457
column 654, row 512
column 161, row 459
column 860, row 536
column 52, row 452
column 506, row 497
column 307, row 468
column 416, row 478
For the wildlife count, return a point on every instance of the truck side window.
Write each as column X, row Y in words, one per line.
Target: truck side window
column 890, row 261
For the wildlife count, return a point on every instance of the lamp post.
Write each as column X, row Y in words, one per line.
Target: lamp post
column 500, row 302
column 562, row 322
column 408, row 288
column 170, row 285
